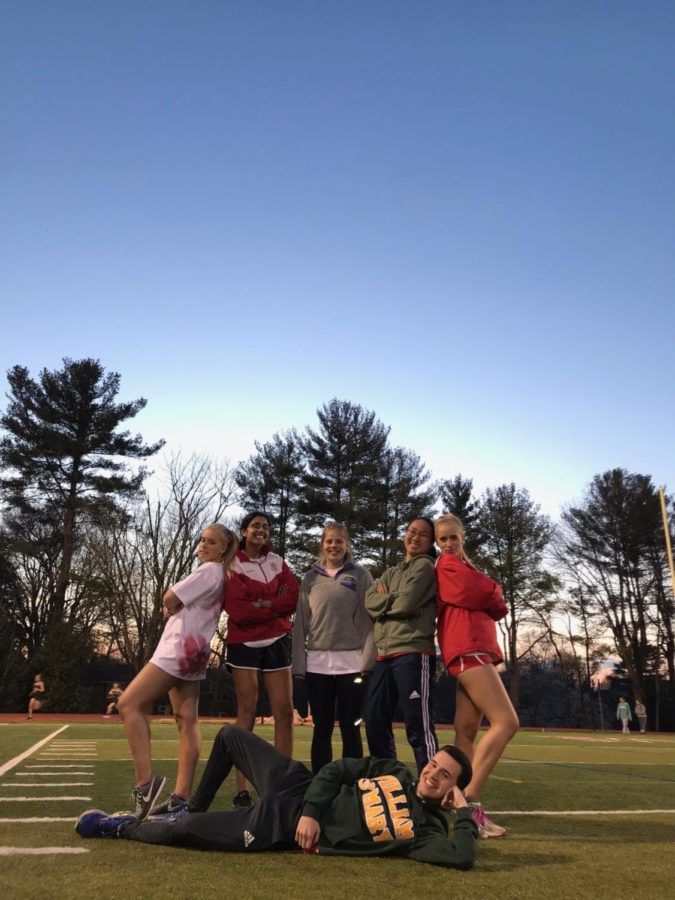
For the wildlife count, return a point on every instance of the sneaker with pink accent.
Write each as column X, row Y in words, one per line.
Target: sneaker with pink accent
column 486, row 827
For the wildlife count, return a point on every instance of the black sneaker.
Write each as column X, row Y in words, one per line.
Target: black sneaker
column 144, row 796
column 173, row 805
column 242, row 800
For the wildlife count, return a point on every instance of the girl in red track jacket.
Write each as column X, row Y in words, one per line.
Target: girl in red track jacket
column 469, row 604
column 260, row 600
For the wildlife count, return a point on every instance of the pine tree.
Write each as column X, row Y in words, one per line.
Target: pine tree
column 63, row 449
column 345, row 459
column 13, row 666
column 403, row 492
column 33, row 540
column 613, row 543
column 516, row 535
column 456, row 495
column 269, row 481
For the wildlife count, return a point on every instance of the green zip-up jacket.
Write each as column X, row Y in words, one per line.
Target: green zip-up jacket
column 405, row 617
column 369, row 807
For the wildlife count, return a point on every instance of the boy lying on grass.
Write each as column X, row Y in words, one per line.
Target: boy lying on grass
column 352, row 807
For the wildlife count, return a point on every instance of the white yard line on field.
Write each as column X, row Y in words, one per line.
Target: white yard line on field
column 581, row 812
column 62, row 750
column 580, row 762
column 42, row 784
column 51, row 774
column 41, row 851
column 31, row 750
column 38, row 799
column 32, row 820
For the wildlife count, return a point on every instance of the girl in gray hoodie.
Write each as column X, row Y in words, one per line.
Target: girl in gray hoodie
column 333, row 646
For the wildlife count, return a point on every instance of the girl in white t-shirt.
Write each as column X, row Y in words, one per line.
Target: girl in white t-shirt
column 192, row 609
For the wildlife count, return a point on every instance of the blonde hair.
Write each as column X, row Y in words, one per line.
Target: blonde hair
column 231, row 541
column 449, row 519
column 334, row 526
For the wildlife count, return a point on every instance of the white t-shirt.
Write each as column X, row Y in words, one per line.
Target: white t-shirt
column 185, row 644
column 334, row 662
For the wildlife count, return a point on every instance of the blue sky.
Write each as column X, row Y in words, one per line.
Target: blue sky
column 459, row 214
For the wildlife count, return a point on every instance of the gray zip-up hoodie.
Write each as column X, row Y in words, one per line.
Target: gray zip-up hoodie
column 331, row 615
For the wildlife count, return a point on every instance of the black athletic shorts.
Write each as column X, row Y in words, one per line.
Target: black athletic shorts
column 264, row 659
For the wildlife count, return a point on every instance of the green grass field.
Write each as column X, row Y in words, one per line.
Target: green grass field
column 588, row 815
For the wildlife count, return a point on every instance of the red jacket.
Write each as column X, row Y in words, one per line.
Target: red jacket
column 259, row 579
column 469, row 604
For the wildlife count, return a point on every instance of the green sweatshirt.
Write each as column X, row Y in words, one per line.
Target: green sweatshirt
column 368, row 807
column 405, row 617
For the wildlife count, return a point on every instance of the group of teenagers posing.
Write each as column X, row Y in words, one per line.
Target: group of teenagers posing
column 364, row 648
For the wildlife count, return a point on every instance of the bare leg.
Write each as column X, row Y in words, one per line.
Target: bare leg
column 279, row 686
column 150, row 684
column 184, row 698
column 246, row 689
column 467, row 721
column 485, row 689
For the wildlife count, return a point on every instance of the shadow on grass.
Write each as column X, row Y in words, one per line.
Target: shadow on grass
column 519, row 861
column 605, row 830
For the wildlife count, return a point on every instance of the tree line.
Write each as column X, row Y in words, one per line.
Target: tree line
column 87, row 549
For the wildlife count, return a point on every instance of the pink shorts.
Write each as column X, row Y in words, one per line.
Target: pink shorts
column 469, row 661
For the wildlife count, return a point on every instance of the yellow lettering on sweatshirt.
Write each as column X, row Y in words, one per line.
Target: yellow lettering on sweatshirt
column 373, row 812
column 378, row 792
column 397, row 803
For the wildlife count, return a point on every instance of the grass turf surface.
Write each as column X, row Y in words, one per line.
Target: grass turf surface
column 555, row 856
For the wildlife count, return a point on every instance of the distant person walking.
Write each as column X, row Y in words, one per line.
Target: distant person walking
column 37, row 695
column 641, row 714
column 192, row 610
column 333, row 645
column 623, row 715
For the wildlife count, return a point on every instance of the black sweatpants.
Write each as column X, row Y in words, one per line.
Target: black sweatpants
column 325, row 693
column 281, row 784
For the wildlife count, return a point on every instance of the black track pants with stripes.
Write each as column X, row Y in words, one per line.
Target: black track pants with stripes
column 404, row 681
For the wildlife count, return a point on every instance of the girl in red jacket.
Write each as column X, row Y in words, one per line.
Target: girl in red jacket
column 260, row 599
column 469, row 604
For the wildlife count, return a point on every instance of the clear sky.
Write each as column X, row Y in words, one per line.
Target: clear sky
column 458, row 214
